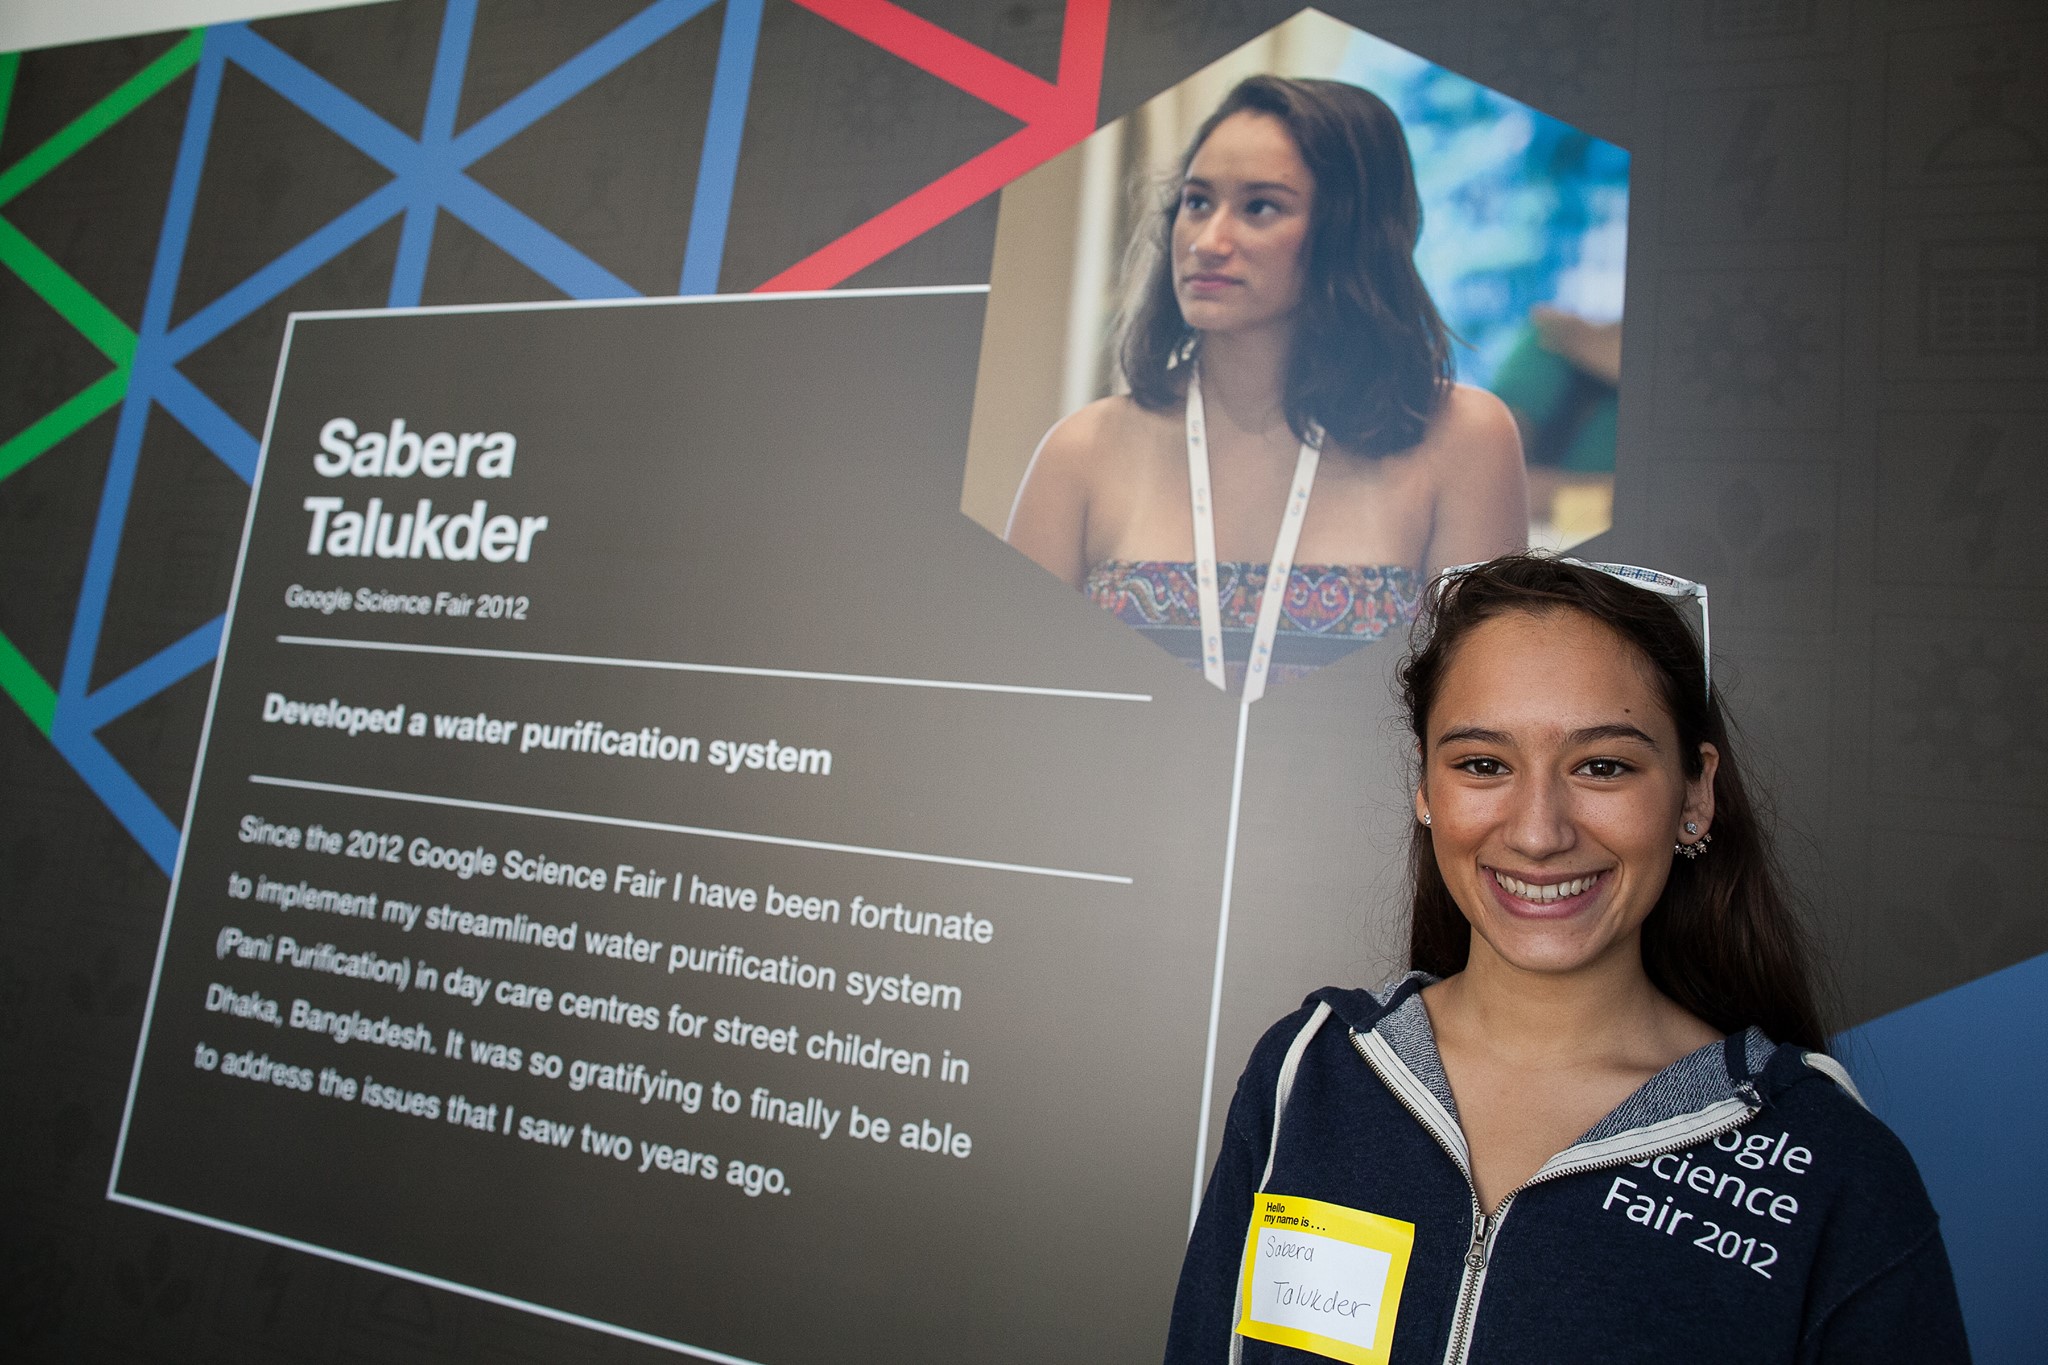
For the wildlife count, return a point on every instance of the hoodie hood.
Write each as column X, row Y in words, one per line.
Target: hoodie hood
column 1742, row 1073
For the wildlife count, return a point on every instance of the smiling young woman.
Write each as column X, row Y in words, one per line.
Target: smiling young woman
column 1596, row 1121
column 1552, row 812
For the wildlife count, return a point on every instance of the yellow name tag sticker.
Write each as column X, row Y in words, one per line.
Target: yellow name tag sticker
column 1324, row 1278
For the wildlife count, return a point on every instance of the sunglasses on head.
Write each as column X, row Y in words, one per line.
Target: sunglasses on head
column 1654, row 580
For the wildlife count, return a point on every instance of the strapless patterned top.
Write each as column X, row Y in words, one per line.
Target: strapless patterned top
column 1329, row 609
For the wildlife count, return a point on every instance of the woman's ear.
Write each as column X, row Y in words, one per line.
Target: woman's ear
column 1421, row 805
column 1699, row 791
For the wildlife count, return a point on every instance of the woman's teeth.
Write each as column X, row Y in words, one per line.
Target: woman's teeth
column 1551, row 891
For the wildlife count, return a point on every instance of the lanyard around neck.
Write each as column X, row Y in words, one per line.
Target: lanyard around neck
column 1277, row 572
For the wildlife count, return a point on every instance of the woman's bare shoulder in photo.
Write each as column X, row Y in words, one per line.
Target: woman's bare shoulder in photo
column 1473, row 424
column 1093, row 441
column 1086, row 456
column 1474, row 454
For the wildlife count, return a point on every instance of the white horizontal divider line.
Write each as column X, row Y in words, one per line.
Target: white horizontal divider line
column 672, row 666
column 432, row 1281
column 903, row 291
column 701, row 831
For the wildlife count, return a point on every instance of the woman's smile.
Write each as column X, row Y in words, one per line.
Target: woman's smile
column 1546, row 895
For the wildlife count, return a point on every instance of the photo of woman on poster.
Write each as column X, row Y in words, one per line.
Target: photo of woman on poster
column 1292, row 416
column 1318, row 234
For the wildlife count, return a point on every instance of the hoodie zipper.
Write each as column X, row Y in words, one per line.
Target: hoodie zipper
column 1485, row 1227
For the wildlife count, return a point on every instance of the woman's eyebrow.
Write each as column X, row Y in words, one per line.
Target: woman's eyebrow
column 1477, row 734
column 1474, row 734
column 1593, row 733
column 1246, row 187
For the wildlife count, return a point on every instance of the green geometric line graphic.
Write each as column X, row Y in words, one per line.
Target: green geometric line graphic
column 60, row 422
column 22, row 684
column 10, row 66
column 93, row 319
column 111, row 109
column 36, row 698
column 53, row 284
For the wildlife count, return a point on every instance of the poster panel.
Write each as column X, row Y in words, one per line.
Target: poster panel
column 655, row 862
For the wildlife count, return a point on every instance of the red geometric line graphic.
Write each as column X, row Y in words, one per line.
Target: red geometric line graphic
column 944, row 54
column 1055, row 118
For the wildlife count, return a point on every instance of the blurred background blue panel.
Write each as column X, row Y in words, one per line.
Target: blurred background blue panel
column 1959, row 1079
column 1519, row 208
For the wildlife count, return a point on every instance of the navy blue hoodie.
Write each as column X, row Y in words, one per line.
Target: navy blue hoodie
column 1741, row 1206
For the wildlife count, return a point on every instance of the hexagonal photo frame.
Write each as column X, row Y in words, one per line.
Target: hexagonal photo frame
column 1523, row 233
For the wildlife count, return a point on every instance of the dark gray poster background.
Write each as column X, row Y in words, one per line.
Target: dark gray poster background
column 1814, row 420
column 764, row 483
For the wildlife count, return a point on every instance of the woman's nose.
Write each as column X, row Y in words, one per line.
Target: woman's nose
column 1540, row 825
column 1216, row 237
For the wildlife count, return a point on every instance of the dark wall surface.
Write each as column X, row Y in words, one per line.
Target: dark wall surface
column 1833, row 411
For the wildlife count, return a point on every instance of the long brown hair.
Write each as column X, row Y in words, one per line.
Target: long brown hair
column 1371, row 360
column 1724, row 940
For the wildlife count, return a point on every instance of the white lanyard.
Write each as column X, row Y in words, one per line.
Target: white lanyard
column 1277, row 573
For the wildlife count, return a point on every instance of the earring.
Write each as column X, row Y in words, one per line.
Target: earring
column 1183, row 353
column 1691, row 851
column 1692, row 827
column 1425, row 819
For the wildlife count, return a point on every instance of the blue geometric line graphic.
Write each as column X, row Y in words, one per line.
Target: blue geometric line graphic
column 120, row 793
column 547, row 255
column 429, row 176
column 338, row 235
column 206, row 419
column 718, row 165
column 169, row 665
column 577, row 74
column 444, row 97
column 72, row 728
column 144, row 381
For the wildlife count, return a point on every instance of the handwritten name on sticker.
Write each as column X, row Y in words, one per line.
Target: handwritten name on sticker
column 1324, row 1278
